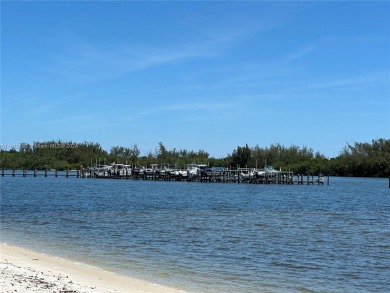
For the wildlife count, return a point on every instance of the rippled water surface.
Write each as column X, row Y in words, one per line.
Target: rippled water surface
column 210, row 237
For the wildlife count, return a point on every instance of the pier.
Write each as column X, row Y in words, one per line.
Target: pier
column 198, row 174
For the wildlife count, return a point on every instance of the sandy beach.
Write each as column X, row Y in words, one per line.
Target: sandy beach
column 23, row 270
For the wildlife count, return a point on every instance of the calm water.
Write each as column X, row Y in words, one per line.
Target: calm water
column 205, row 237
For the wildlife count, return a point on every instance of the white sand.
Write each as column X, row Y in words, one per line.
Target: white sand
column 23, row 270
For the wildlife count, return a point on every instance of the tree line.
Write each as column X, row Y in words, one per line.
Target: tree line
column 358, row 159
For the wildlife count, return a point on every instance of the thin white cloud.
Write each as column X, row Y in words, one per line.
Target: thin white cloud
column 321, row 86
column 372, row 80
column 198, row 109
column 67, row 120
column 79, row 60
column 202, row 106
column 258, row 74
column 78, row 123
column 45, row 107
column 300, row 53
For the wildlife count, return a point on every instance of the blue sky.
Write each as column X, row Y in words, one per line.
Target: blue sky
column 196, row 75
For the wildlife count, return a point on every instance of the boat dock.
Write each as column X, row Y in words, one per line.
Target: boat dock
column 194, row 174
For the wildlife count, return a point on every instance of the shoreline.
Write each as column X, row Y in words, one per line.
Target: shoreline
column 24, row 270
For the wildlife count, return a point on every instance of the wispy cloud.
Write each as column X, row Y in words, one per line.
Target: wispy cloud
column 312, row 87
column 67, row 120
column 203, row 106
column 78, row 123
column 80, row 60
column 40, row 106
column 300, row 53
column 197, row 108
column 373, row 80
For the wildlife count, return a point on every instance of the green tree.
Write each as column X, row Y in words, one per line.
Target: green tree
column 240, row 156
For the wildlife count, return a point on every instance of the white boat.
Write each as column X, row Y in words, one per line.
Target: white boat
column 247, row 173
column 138, row 170
column 179, row 173
column 102, row 171
column 268, row 171
column 120, row 170
column 163, row 171
column 194, row 169
column 152, row 170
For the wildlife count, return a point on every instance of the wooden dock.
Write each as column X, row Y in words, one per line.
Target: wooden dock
column 210, row 175
column 40, row 173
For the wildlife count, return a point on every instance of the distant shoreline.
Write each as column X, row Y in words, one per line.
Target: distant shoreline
column 367, row 159
column 26, row 270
